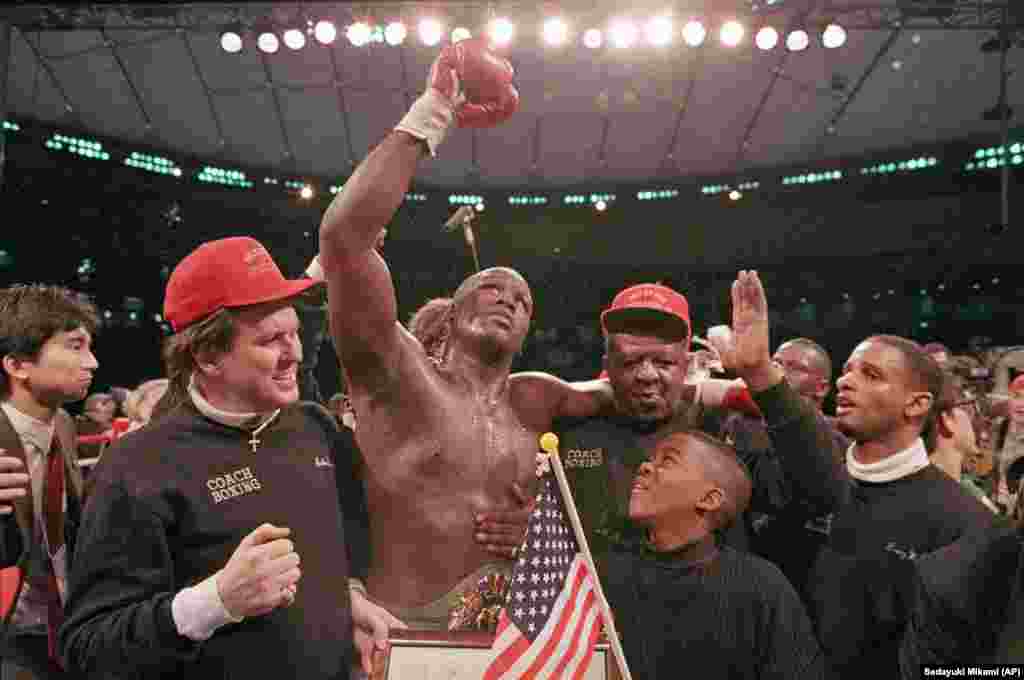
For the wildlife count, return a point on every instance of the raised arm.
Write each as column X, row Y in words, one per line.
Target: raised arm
column 553, row 397
column 807, row 450
column 361, row 295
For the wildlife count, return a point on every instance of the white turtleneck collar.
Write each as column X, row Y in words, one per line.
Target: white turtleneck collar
column 902, row 464
column 242, row 421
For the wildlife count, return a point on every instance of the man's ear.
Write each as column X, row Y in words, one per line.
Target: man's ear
column 712, row 500
column 918, row 405
column 945, row 422
column 207, row 363
column 14, row 367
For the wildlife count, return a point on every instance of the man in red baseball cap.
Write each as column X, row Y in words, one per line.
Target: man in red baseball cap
column 194, row 533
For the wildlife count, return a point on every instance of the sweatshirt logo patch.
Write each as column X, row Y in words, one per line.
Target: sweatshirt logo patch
column 584, row 458
column 241, row 482
column 322, row 462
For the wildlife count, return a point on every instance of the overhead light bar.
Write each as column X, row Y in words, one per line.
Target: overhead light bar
column 154, row 164
column 527, row 200
column 813, row 178
column 11, row 126
column 713, row 189
column 86, row 148
column 412, row 198
column 659, row 195
column 464, row 199
column 911, row 165
column 231, row 178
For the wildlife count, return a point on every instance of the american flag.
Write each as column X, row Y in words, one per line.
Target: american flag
column 552, row 618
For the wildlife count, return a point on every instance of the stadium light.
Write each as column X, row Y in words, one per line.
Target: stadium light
column 593, row 38
column 325, row 32
column 358, row 33
column 833, row 36
column 294, row 39
column 268, row 42
column 797, row 40
column 623, row 33
column 395, row 33
column 555, row 31
column 694, row 33
column 460, row 33
column 430, row 31
column 501, row 31
column 658, row 31
column 231, row 41
column 767, row 38
column 731, row 33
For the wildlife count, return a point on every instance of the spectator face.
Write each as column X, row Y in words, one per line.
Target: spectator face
column 799, row 363
column 877, row 394
column 100, row 408
column 669, row 487
column 62, row 371
column 960, row 421
column 1017, row 407
column 260, row 373
column 647, row 375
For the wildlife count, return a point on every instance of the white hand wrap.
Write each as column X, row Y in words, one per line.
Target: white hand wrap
column 429, row 118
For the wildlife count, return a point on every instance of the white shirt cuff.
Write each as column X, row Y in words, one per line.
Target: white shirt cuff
column 198, row 611
column 314, row 270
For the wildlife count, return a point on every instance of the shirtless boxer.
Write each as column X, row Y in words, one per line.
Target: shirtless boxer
column 443, row 442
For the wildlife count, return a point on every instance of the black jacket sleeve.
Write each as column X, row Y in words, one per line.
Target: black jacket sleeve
column 806, row 466
column 120, row 591
column 10, row 541
column 789, row 646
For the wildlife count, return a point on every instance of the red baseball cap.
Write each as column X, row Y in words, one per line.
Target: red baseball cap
column 644, row 304
column 229, row 272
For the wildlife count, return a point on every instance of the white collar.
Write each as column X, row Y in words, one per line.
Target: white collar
column 242, row 421
column 30, row 429
column 900, row 464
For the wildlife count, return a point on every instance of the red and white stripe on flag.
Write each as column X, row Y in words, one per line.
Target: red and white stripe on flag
column 564, row 647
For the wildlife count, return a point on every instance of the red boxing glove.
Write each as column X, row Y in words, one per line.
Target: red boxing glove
column 487, row 83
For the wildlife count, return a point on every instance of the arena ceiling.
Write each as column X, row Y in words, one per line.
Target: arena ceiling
column 912, row 72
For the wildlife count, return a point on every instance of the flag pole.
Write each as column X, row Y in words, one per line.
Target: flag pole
column 549, row 443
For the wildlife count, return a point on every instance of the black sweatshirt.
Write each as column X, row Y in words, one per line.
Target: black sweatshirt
column 861, row 613
column 734, row 618
column 172, row 502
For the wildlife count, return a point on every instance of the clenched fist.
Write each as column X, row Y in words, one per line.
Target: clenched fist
column 262, row 574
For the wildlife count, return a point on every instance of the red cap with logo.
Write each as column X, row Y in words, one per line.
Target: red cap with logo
column 229, row 272
column 646, row 304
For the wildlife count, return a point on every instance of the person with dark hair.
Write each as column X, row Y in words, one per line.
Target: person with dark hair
column 46, row 335
column 688, row 603
column 950, row 438
column 429, row 325
column 97, row 417
column 188, row 561
column 895, row 501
